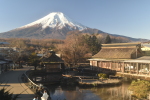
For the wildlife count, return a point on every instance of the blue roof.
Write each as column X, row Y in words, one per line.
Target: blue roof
column 4, row 43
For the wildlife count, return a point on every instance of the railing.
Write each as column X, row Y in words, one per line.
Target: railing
column 32, row 83
column 33, row 86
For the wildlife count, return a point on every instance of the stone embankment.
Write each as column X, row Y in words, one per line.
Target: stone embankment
column 100, row 82
column 93, row 80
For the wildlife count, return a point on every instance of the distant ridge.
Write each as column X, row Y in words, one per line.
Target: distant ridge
column 55, row 25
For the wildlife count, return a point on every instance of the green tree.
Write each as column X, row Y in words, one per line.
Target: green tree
column 107, row 40
column 6, row 95
column 92, row 43
column 34, row 60
column 140, row 89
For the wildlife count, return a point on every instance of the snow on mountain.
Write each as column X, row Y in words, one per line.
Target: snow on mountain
column 59, row 20
column 56, row 25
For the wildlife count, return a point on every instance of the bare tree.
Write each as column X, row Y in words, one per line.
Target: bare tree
column 73, row 49
column 15, row 51
column 9, row 53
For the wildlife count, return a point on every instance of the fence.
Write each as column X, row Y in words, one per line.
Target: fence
column 33, row 86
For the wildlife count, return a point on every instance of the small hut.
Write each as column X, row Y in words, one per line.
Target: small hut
column 52, row 63
column 52, row 69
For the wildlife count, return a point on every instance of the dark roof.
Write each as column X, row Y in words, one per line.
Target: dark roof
column 52, row 58
column 4, row 43
column 121, row 45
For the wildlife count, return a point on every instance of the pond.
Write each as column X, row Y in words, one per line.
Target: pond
column 120, row 92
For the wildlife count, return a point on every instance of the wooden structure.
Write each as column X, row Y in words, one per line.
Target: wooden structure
column 52, row 68
column 5, row 64
column 121, row 57
column 52, row 63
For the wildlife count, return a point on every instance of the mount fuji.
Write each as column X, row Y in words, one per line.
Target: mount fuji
column 57, row 20
column 55, row 25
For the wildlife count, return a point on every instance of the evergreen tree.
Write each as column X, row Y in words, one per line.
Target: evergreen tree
column 93, row 43
column 34, row 60
column 6, row 95
column 107, row 40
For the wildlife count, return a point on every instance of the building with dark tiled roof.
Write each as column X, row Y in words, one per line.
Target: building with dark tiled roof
column 52, row 68
column 52, row 62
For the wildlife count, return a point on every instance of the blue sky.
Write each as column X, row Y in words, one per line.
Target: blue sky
column 123, row 17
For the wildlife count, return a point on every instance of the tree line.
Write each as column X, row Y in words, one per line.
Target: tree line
column 76, row 48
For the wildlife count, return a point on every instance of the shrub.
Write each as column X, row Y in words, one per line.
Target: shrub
column 102, row 75
column 140, row 89
column 6, row 95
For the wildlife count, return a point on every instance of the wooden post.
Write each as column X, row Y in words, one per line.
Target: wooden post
column 136, row 51
column 137, row 70
column 120, row 65
column 96, row 65
column 123, row 67
column 91, row 64
column 130, row 68
column 110, row 65
column 149, row 68
column 99, row 66
column 117, row 66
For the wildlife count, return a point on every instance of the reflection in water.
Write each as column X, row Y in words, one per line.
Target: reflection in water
column 114, row 93
column 77, row 94
column 101, row 93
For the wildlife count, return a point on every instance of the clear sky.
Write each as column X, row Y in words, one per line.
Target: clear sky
column 123, row 17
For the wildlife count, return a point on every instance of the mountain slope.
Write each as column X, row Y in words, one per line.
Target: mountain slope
column 55, row 25
column 57, row 19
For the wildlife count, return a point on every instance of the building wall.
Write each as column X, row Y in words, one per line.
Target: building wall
column 96, row 65
column 53, row 67
column 123, row 67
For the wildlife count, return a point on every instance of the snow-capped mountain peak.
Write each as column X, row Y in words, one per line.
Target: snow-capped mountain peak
column 59, row 20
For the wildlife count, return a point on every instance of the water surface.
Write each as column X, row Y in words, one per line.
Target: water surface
column 120, row 92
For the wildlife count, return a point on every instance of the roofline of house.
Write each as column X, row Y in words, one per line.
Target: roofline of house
column 103, row 59
column 121, row 47
column 121, row 44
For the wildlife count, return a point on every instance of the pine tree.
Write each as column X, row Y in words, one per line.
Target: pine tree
column 107, row 40
column 93, row 43
column 6, row 95
column 34, row 60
